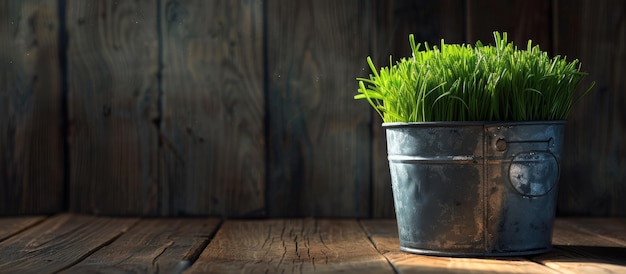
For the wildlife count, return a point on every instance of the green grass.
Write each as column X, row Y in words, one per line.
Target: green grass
column 479, row 83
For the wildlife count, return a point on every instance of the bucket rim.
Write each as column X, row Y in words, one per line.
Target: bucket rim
column 473, row 123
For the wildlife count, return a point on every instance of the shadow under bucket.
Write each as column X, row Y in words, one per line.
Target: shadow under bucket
column 473, row 188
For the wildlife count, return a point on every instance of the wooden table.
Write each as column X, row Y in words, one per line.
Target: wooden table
column 70, row 243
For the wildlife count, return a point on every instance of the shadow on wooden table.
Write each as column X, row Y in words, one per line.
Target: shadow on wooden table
column 579, row 253
column 585, row 259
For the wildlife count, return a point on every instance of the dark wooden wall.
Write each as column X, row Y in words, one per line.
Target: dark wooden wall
column 244, row 108
column 31, row 109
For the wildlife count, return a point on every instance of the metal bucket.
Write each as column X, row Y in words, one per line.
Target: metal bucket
column 475, row 189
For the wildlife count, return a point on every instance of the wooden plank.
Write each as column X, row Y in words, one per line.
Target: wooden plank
column 593, row 169
column 384, row 235
column 31, row 143
column 523, row 20
column 59, row 242
column 612, row 229
column 572, row 262
column 429, row 21
column 213, row 144
column 288, row 246
column 572, row 236
column 584, row 246
column 319, row 136
column 113, row 106
column 152, row 246
column 10, row 226
column 573, row 232
column 411, row 263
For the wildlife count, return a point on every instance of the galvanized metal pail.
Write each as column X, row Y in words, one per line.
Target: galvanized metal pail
column 473, row 188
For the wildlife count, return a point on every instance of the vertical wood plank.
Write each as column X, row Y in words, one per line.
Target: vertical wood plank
column 291, row 246
column 113, row 105
column 31, row 142
column 59, row 242
column 213, row 146
column 594, row 166
column 523, row 20
column 429, row 21
column 160, row 245
column 320, row 139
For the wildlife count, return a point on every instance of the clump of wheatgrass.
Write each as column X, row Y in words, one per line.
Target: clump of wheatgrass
column 481, row 83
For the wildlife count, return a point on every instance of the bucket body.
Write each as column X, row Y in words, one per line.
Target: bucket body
column 473, row 188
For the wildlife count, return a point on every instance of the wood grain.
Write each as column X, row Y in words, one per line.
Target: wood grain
column 71, row 243
column 244, row 108
column 31, row 137
column 613, row 229
column 568, row 262
column 593, row 169
column 59, row 242
column 523, row 20
column 290, row 246
column 587, row 246
column 162, row 245
column 113, row 104
column 589, row 242
column 393, row 21
column 589, row 232
column 213, row 143
column 384, row 235
column 10, row 226
column 320, row 140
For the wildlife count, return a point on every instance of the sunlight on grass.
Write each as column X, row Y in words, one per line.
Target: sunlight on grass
column 480, row 83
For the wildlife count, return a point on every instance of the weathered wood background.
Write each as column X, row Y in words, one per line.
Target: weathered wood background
column 244, row 108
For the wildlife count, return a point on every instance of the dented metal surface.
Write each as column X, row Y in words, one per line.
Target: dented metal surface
column 475, row 189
